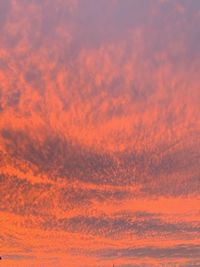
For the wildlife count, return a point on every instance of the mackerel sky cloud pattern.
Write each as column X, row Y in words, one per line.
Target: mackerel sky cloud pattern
column 99, row 133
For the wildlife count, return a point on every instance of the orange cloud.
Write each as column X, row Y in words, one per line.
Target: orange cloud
column 99, row 133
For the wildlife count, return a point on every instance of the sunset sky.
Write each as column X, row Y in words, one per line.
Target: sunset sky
column 100, row 133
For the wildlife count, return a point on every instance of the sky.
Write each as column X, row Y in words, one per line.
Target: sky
column 99, row 133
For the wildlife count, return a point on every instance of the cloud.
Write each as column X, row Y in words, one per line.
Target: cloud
column 57, row 157
column 5, row 8
column 119, row 226
column 99, row 119
column 18, row 257
column 177, row 252
column 21, row 197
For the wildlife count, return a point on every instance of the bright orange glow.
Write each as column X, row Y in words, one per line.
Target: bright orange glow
column 99, row 133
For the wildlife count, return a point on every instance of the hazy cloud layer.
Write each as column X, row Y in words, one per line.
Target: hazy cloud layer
column 99, row 132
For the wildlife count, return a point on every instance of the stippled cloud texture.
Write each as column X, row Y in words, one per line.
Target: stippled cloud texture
column 99, row 133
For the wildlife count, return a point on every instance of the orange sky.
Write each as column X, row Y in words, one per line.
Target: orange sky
column 99, row 133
